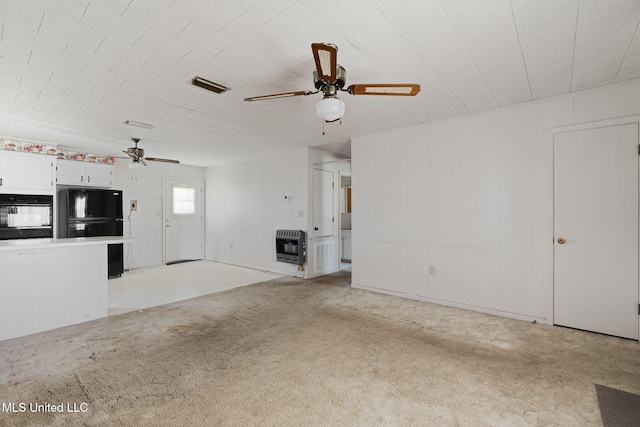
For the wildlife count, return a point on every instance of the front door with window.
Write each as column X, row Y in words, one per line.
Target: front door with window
column 183, row 220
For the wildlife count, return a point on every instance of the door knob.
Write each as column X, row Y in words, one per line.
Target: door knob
column 168, row 226
column 316, row 228
column 562, row 240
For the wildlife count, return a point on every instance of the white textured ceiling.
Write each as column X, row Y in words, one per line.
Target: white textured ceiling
column 72, row 71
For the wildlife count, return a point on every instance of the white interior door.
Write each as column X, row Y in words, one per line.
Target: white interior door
column 183, row 220
column 323, row 211
column 596, row 230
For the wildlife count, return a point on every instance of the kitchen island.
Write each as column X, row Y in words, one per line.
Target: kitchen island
column 50, row 283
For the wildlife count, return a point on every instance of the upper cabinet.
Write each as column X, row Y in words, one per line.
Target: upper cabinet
column 26, row 173
column 85, row 174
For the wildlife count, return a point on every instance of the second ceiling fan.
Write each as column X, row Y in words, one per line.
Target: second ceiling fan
column 329, row 78
column 137, row 156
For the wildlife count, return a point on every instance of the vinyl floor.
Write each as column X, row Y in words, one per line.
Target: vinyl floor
column 150, row 287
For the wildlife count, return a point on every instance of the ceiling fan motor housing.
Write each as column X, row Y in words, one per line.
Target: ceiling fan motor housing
column 341, row 79
column 137, row 156
column 138, row 152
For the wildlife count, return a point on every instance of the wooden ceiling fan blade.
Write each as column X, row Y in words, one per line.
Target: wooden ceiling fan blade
column 384, row 89
column 157, row 159
column 128, row 154
column 326, row 57
column 280, row 95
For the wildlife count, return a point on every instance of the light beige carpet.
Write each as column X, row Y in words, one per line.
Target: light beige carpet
column 316, row 352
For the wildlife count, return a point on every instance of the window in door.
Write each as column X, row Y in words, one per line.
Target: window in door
column 184, row 202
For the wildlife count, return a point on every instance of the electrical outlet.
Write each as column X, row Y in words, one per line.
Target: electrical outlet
column 432, row 270
column 134, row 205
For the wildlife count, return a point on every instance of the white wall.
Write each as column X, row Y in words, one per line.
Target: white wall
column 466, row 196
column 145, row 224
column 245, row 205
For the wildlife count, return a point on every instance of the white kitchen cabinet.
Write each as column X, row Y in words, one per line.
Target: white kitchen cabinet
column 16, row 291
column 47, row 288
column 12, row 281
column 45, row 292
column 346, row 244
column 84, row 274
column 85, row 174
column 26, row 172
column 99, row 175
column 70, row 172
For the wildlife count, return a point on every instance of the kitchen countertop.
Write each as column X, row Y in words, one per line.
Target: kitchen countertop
column 17, row 244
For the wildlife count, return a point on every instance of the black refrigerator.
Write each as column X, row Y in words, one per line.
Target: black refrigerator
column 93, row 212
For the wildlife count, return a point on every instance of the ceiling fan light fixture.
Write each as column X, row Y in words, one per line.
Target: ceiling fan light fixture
column 136, row 165
column 330, row 109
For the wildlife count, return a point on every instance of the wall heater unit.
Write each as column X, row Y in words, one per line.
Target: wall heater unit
column 291, row 246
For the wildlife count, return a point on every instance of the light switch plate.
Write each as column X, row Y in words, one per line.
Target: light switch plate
column 134, row 205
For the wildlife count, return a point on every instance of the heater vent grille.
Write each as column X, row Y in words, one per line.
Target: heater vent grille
column 291, row 246
column 209, row 85
column 288, row 234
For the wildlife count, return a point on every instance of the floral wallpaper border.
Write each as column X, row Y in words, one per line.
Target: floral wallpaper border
column 52, row 150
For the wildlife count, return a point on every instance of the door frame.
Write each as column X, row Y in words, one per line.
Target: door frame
column 340, row 175
column 164, row 213
column 548, row 244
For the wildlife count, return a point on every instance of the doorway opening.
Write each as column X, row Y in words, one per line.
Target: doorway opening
column 345, row 222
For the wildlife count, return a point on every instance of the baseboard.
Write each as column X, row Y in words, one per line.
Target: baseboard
column 254, row 267
column 479, row 309
column 322, row 273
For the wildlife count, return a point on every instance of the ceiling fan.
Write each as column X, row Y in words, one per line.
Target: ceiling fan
column 137, row 156
column 329, row 77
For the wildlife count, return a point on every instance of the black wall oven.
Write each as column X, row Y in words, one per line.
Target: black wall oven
column 25, row 216
column 90, row 213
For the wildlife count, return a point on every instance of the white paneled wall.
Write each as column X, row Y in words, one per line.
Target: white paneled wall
column 466, row 197
column 245, row 205
column 145, row 224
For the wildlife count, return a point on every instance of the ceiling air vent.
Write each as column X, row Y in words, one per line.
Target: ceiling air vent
column 208, row 85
